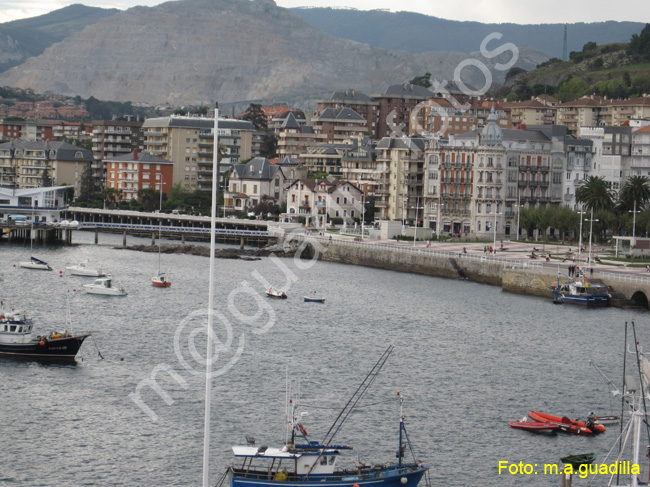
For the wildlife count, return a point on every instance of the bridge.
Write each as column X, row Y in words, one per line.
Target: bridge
column 191, row 227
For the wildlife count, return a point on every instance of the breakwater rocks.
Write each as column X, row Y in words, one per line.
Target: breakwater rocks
column 204, row 251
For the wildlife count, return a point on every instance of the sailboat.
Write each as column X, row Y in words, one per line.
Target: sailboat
column 33, row 262
column 634, row 431
column 160, row 280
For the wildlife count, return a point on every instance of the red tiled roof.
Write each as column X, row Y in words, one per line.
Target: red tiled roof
column 644, row 130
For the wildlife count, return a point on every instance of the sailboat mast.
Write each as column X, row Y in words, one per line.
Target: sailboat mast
column 208, row 359
column 160, row 221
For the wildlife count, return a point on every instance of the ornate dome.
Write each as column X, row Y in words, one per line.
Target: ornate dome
column 492, row 133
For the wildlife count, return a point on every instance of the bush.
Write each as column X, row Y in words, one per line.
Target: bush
column 337, row 221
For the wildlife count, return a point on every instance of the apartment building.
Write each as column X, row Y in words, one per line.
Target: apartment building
column 530, row 112
column 295, row 138
column 400, row 178
column 364, row 105
column 188, row 143
column 130, row 173
column 22, row 163
column 478, row 182
column 396, row 105
column 340, row 124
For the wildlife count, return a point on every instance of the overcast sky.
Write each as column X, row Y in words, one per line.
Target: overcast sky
column 517, row 11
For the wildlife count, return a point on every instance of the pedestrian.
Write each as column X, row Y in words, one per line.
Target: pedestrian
column 428, row 243
column 591, row 272
column 569, row 270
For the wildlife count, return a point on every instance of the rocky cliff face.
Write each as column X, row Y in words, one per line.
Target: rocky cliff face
column 198, row 51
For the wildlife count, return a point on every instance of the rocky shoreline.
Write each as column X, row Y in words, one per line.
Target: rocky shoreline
column 204, row 251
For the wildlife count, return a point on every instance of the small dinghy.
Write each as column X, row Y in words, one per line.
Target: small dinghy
column 534, row 426
column 274, row 293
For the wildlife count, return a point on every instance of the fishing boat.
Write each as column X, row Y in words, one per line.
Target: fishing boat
column 303, row 462
column 104, row 286
column 567, row 425
column 17, row 339
column 534, row 426
column 312, row 298
column 275, row 293
column 160, row 280
column 34, row 263
column 581, row 292
column 82, row 269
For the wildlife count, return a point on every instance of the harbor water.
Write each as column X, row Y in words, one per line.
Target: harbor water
column 468, row 359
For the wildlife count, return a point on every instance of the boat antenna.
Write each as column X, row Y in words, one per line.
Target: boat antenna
column 208, row 359
column 356, row 396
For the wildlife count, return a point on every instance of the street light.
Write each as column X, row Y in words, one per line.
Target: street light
column 581, row 212
column 415, row 231
column 363, row 212
column 494, row 248
column 634, row 212
column 518, row 213
column 591, row 226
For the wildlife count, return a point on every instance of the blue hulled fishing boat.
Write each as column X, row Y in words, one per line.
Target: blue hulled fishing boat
column 302, row 462
column 581, row 292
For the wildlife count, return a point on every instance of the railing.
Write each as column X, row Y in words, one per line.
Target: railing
column 219, row 231
column 408, row 248
column 624, row 277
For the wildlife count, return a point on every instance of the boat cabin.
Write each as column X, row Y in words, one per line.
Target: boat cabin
column 311, row 459
column 15, row 327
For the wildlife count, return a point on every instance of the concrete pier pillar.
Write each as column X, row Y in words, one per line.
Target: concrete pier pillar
column 124, row 239
column 153, row 239
column 183, row 238
column 96, row 236
column 241, row 243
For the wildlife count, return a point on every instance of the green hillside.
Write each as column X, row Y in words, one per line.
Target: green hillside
column 620, row 70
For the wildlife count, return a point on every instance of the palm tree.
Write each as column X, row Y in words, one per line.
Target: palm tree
column 635, row 193
column 594, row 193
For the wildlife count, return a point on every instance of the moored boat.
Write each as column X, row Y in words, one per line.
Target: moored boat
column 567, row 425
column 275, row 293
column 302, row 462
column 534, row 426
column 580, row 459
column 104, row 286
column 581, row 292
column 312, row 298
column 82, row 269
column 34, row 263
column 18, row 340
column 160, row 281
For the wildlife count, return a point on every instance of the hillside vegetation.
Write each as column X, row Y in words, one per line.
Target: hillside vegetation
column 620, row 70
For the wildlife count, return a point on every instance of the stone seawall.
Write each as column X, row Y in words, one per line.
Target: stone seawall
column 482, row 269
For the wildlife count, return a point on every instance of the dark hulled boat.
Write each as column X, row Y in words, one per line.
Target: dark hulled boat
column 18, row 340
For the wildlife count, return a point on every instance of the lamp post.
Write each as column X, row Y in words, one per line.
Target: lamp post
column 363, row 212
column 496, row 212
column 518, row 213
column 581, row 212
column 634, row 212
column 591, row 227
column 415, row 231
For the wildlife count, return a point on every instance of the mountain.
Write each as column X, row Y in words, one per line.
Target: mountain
column 418, row 33
column 21, row 39
column 197, row 51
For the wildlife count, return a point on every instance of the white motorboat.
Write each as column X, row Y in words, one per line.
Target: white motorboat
column 82, row 269
column 34, row 263
column 105, row 286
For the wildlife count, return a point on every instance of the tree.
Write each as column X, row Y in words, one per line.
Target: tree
column 594, row 194
column 269, row 147
column 256, row 115
column 635, row 193
column 149, row 199
column 46, row 180
column 87, row 187
column 639, row 46
column 572, row 89
column 514, row 71
column 112, row 197
column 424, row 80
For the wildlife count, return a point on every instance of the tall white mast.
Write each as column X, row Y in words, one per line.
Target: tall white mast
column 208, row 358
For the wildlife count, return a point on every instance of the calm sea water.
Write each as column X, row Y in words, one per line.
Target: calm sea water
column 469, row 358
